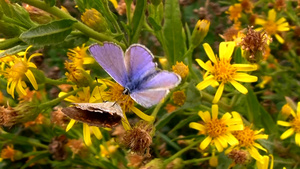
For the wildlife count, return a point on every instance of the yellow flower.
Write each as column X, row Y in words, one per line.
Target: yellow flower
column 79, row 57
column 181, row 69
column 179, row 97
column 294, row 124
column 83, row 97
column 115, row 94
column 108, row 148
column 235, row 12
column 17, row 69
column 271, row 26
column 266, row 80
column 223, row 71
column 247, row 138
column 218, row 131
column 264, row 163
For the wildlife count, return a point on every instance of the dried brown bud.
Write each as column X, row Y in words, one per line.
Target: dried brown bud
column 254, row 45
column 57, row 147
column 139, row 138
column 135, row 160
column 240, row 156
column 59, row 118
column 7, row 116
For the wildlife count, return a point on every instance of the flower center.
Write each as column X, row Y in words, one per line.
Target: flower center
column 216, row 128
column 296, row 124
column 270, row 27
column 18, row 70
column 116, row 94
column 245, row 137
column 223, row 71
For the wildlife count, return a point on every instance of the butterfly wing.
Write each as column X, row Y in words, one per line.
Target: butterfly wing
column 138, row 62
column 153, row 90
column 111, row 58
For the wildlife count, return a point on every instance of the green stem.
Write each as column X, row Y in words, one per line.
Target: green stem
column 189, row 56
column 58, row 100
column 56, row 82
column 79, row 25
column 199, row 160
column 156, row 110
column 209, row 98
column 167, row 161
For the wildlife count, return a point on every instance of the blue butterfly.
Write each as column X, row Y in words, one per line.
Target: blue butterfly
column 135, row 71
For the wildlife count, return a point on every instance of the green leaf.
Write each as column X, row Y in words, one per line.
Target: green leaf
column 155, row 25
column 35, row 159
column 258, row 115
column 138, row 20
column 165, row 119
column 184, row 122
column 52, row 33
column 172, row 31
column 50, row 2
column 13, row 50
column 8, row 43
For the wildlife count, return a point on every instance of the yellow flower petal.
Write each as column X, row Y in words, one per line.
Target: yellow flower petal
column 141, row 114
column 231, row 139
column 280, row 21
column 205, row 142
column 205, row 83
column 261, row 136
column 279, row 38
column 226, row 116
column 218, row 145
column 287, row 133
column 244, row 77
column 218, row 93
column 226, row 50
column 205, row 116
column 31, row 78
column 214, row 111
column 284, row 123
column 297, row 139
column 202, row 64
column 222, row 141
column 259, row 147
column 20, row 88
column 255, row 154
column 272, row 15
column 115, row 3
column 12, row 88
column 86, row 134
column 282, row 28
column 245, row 67
column 197, row 126
column 259, row 21
column 209, row 52
column 97, row 132
column 239, row 87
column 70, row 125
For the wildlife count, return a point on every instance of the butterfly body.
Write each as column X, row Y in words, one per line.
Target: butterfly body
column 135, row 71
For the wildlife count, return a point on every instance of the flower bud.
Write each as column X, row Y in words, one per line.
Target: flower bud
column 154, row 164
column 95, row 20
column 177, row 163
column 79, row 76
column 200, row 31
column 37, row 14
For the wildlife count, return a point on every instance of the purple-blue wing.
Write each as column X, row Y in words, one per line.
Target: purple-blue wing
column 155, row 88
column 161, row 80
column 111, row 58
column 148, row 98
column 138, row 62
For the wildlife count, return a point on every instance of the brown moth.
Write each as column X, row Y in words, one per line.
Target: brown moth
column 106, row 114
